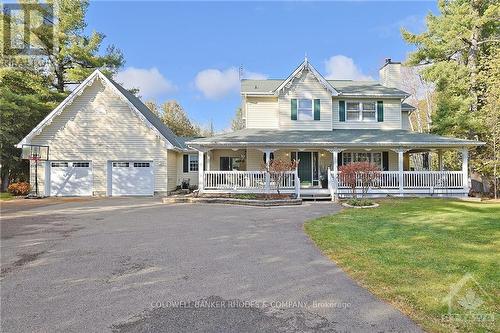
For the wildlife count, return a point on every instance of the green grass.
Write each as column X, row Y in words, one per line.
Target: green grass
column 4, row 196
column 410, row 252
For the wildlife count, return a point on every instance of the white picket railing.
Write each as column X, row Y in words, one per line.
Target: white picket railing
column 411, row 179
column 246, row 180
column 384, row 179
column 287, row 181
column 436, row 179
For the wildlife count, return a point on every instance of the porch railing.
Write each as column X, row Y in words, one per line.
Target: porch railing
column 247, row 180
column 411, row 179
column 436, row 179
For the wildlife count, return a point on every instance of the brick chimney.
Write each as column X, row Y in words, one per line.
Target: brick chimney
column 390, row 74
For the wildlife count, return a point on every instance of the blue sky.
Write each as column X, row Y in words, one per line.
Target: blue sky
column 191, row 51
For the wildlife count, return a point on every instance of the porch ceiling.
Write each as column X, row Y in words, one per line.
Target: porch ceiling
column 335, row 138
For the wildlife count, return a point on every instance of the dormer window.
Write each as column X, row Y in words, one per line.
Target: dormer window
column 361, row 111
column 305, row 109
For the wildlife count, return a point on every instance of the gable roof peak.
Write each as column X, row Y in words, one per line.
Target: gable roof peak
column 306, row 66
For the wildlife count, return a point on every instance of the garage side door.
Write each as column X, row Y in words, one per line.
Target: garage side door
column 70, row 178
column 132, row 178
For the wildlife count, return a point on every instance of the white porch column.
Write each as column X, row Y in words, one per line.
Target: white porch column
column 400, row 152
column 465, row 169
column 334, row 186
column 201, row 172
column 209, row 157
column 440, row 159
column 268, row 152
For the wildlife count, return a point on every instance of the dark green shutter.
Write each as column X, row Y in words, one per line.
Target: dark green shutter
column 380, row 111
column 341, row 110
column 339, row 159
column 385, row 161
column 317, row 109
column 185, row 163
column 294, row 108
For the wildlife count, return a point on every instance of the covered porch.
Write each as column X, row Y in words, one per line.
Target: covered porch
column 239, row 167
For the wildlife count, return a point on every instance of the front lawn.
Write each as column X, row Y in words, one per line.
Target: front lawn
column 436, row 260
column 4, row 196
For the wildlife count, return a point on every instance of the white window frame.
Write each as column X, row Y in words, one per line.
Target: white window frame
column 311, row 117
column 352, row 157
column 194, row 158
column 360, row 111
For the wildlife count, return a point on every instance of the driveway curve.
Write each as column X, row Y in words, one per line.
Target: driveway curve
column 137, row 265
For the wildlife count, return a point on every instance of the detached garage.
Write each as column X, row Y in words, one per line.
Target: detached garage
column 104, row 141
column 130, row 178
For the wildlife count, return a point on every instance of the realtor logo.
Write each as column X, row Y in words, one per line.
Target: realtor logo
column 467, row 302
column 25, row 25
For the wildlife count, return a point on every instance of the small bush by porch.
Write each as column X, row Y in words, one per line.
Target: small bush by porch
column 411, row 252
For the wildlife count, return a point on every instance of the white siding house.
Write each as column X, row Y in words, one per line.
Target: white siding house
column 325, row 124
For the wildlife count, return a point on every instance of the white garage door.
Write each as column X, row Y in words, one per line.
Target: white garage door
column 132, row 178
column 70, row 178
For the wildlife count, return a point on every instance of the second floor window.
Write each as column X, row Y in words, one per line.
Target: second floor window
column 305, row 109
column 361, row 111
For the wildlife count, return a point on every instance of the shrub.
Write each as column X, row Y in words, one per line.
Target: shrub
column 363, row 174
column 359, row 202
column 21, row 188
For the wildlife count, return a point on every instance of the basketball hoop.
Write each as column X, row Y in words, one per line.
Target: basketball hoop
column 35, row 153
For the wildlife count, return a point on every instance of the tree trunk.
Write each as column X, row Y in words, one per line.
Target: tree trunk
column 5, row 180
column 472, row 58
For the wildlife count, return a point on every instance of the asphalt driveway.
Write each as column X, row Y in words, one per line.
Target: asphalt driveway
column 137, row 265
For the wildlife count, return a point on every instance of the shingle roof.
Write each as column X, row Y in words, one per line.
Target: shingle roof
column 345, row 87
column 150, row 116
column 337, row 137
column 407, row 107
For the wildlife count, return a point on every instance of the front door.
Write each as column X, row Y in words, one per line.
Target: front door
column 305, row 168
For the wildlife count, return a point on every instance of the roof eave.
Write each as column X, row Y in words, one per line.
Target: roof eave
column 338, row 144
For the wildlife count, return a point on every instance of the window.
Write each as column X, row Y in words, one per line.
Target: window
column 305, row 109
column 375, row 158
column 59, row 164
column 120, row 164
column 81, row 164
column 193, row 163
column 361, row 111
column 141, row 164
column 230, row 163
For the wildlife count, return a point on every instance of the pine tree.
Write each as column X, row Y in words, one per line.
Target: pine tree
column 25, row 99
column 70, row 55
column 454, row 49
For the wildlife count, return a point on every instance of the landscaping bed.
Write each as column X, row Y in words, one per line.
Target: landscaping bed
column 247, row 199
column 415, row 253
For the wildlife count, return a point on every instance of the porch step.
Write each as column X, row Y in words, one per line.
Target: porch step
column 315, row 196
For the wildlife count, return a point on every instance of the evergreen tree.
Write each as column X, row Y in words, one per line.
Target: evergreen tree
column 25, row 100
column 30, row 87
column 70, row 55
column 456, row 49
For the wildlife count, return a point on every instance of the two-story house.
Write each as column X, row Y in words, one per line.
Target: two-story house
column 102, row 140
column 324, row 124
